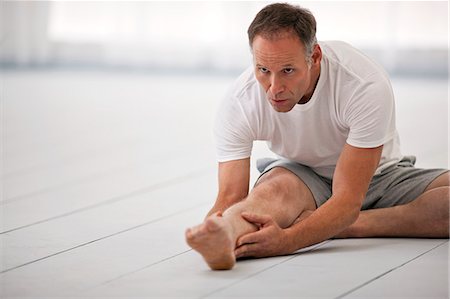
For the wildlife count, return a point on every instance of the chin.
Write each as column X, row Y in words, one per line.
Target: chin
column 282, row 109
column 282, row 106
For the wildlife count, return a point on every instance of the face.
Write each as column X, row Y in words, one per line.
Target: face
column 282, row 70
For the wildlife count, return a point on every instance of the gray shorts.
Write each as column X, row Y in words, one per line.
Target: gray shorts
column 396, row 185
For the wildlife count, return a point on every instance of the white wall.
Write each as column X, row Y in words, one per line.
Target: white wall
column 24, row 33
column 407, row 37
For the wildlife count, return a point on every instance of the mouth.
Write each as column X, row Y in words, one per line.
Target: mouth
column 278, row 101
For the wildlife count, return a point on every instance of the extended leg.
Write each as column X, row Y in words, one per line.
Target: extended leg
column 427, row 216
column 279, row 193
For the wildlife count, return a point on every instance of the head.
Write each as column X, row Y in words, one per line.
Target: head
column 286, row 55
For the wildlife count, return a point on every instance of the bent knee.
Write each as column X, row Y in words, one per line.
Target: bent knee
column 280, row 183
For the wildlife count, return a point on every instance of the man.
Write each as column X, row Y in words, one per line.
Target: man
column 327, row 111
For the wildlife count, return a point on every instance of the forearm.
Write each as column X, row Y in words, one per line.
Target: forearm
column 234, row 177
column 326, row 222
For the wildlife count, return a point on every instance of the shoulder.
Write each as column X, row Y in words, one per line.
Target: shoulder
column 351, row 62
column 244, row 96
column 244, row 87
column 354, row 77
column 234, row 127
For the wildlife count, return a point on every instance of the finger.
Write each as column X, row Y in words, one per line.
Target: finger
column 248, row 250
column 255, row 218
column 250, row 238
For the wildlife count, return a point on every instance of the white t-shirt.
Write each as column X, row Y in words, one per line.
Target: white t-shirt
column 352, row 103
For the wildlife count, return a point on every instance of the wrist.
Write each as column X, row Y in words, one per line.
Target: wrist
column 298, row 236
column 291, row 240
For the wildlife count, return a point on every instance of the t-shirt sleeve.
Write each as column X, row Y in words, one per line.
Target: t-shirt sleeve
column 232, row 133
column 370, row 114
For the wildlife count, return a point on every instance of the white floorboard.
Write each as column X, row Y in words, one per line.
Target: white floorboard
column 101, row 173
column 93, row 191
column 335, row 268
column 424, row 277
column 73, row 230
column 94, row 264
column 170, row 279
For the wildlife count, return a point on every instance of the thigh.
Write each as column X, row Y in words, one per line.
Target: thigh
column 399, row 185
column 315, row 188
column 441, row 181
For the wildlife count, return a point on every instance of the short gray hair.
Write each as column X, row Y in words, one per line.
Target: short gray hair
column 277, row 18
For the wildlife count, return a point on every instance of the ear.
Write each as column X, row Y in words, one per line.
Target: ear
column 316, row 55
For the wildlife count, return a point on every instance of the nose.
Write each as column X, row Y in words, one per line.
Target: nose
column 276, row 86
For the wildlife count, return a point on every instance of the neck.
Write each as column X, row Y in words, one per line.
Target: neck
column 315, row 78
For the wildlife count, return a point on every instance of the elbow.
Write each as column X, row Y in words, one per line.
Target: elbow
column 352, row 210
column 353, row 215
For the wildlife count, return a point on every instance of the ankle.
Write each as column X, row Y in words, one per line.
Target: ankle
column 236, row 224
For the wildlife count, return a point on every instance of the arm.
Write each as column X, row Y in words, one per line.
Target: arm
column 351, row 180
column 234, row 178
column 352, row 176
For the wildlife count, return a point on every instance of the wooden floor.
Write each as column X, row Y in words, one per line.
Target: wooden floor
column 103, row 172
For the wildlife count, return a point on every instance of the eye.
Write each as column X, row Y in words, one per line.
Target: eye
column 263, row 70
column 288, row 70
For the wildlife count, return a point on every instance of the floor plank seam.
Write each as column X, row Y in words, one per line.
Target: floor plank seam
column 137, row 270
column 85, row 154
column 60, row 186
column 294, row 255
column 157, row 186
column 387, row 272
column 105, row 237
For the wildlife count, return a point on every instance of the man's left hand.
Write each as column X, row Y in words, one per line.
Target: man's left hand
column 269, row 240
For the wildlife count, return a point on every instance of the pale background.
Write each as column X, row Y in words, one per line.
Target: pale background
column 107, row 152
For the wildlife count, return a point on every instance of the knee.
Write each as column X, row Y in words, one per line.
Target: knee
column 444, row 212
column 276, row 181
column 282, row 185
column 437, row 200
column 272, row 189
column 441, row 181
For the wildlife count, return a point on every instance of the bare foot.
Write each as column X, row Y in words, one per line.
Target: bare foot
column 213, row 240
